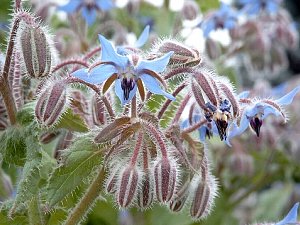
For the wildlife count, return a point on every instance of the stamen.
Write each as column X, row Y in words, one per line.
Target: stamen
column 255, row 124
column 127, row 85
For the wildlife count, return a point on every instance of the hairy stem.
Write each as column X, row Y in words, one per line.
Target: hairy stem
column 133, row 107
column 5, row 89
column 87, row 200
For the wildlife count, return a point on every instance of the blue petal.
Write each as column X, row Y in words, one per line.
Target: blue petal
column 235, row 130
column 120, row 93
column 202, row 133
column 71, row 6
column 89, row 15
column 271, row 7
column 208, row 26
column 153, row 86
column 157, row 65
column 102, row 72
column 243, row 94
column 229, row 23
column 143, row 37
column 104, row 5
column 288, row 98
column 108, row 53
column 291, row 217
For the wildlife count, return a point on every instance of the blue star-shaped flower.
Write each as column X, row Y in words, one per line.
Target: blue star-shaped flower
column 255, row 112
column 88, row 8
column 125, row 50
column 253, row 7
column 291, row 217
column 129, row 72
column 224, row 18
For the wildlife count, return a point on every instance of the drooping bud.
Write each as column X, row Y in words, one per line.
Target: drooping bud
column 183, row 55
column 36, row 50
column 51, row 103
column 145, row 194
column 165, row 177
column 190, row 10
column 48, row 136
column 180, row 197
column 98, row 111
column 213, row 48
column 255, row 124
column 203, row 196
column 128, row 186
column 64, row 142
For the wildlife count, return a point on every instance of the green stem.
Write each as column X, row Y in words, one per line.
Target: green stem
column 88, row 199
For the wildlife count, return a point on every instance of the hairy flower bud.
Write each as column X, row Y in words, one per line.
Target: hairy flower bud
column 48, row 136
column 145, row 194
column 183, row 55
column 98, row 111
column 213, row 48
column 51, row 104
column 202, row 199
column 190, row 10
column 180, row 197
column 165, row 177
column 36, row 51
column 128, row 186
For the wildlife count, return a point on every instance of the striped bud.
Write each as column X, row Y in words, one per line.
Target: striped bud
column 165, row 177
column 190, row 10
column 180, row 197
column 51, row 104
column 98, row 114
column 128, row 186
column 183, row 55
column 145, row 194
column 203, row 196
column 111, row 182
column 48, row 136
column 36, row 53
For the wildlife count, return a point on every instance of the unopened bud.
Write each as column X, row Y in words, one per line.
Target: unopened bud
column 183, row 55
column 129, row 179
column 145, row 193
column 180, row 197
column 190, row 10
column 98, row 111
column 165, row 177
column 241, row 164
column 213, row 48
column 51, row 104
column 49, row 136
column 203, row 197
column 36, row 52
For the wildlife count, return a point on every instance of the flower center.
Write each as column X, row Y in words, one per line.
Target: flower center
column 127, row 85
column 255, row 124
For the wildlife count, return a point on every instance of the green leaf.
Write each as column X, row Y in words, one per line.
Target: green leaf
column 57, row 216
column 72, row 122
column 17, row 220
column 26, row 115
column 79, row 161
column 13, row 146
column 34, row 213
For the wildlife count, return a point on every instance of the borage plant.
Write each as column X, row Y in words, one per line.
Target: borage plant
column 112, row 124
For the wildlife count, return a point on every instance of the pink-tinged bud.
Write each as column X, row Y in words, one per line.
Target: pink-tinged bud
column 128, row 186
column 51, row 103
column 3, row 123
column 241, row 164
column 180, row 197
column 165, row 177
column 36, row 52
column 203, row 196
column 49, row 136
column 64, row 142
column 111, row 182
column 98, row 114
column 190, row 10
column 145, row 193
column 183, row 55
column 213, row 48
